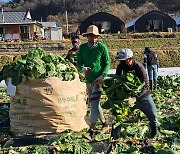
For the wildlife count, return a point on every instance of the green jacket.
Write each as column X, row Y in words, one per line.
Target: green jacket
column 96, row 58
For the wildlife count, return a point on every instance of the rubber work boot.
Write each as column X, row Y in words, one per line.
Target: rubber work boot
column 89, row 134
column 115, row 132
column 153, row 131
column 105, row 128
column 155, row 84
column 151, row 84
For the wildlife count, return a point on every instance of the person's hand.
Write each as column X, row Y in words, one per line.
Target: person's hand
column 69, row 53
column 132, row 100
column 100, row 79
column 86, row 71
column 145, row 65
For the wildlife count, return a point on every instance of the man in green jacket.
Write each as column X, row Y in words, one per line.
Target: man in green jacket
column 93, row 59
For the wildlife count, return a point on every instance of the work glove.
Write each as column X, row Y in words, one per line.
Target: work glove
column 100, row 78
column 86, row 71
column 99, row 82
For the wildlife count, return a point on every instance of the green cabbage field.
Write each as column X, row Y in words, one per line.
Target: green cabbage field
column 133, row 133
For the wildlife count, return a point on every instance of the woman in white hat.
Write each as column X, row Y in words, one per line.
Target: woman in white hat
column 93, row 59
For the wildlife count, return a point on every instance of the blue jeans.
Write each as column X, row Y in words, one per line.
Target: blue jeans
column 152, row 72
column 147, row 106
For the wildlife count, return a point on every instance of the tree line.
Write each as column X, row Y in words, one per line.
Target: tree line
column 78, row 10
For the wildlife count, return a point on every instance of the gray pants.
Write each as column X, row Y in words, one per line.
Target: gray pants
column 147, row 106
column 94, row 96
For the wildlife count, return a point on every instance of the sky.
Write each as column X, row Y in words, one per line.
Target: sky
column 4, row 0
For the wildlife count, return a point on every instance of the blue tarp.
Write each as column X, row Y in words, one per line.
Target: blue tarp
column 177, row 19
column 132, row 22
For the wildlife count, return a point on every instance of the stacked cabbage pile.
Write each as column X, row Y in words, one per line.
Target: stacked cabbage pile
column 38, row 64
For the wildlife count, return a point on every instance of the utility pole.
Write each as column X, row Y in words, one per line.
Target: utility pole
column 66, row 16
column 2, row 16
column 67, row 22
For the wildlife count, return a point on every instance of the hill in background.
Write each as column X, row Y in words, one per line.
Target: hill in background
column 78, row 10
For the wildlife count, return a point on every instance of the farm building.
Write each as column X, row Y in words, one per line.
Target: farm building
column 51, row 31
column 153, row 21
column 177, row 19
column 107, row 23
column 18, row 26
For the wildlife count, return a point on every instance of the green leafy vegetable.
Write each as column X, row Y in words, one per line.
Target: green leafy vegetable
column 118, row 90
column 37, row 64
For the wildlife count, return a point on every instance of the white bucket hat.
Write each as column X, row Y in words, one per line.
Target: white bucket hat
column 124, row 54
column 92, row 29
